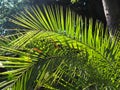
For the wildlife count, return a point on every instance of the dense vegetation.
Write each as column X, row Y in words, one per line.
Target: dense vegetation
column 58, row 49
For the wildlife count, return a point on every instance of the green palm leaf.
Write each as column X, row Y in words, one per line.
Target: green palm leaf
column 58, row 51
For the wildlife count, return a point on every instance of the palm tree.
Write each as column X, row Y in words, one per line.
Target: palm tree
column 58, row 50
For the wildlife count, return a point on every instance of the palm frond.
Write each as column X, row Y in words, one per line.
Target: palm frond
column 59, row 51
column 70, row 25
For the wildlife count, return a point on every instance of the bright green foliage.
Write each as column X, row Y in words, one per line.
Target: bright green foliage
column 74, row 1
column 59, row 51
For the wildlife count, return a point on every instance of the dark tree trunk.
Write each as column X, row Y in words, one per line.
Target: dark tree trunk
column 112, row 14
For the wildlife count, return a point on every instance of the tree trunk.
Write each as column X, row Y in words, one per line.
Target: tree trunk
column 112, row 14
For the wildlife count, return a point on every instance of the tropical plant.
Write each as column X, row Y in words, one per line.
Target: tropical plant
column 58, row 51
